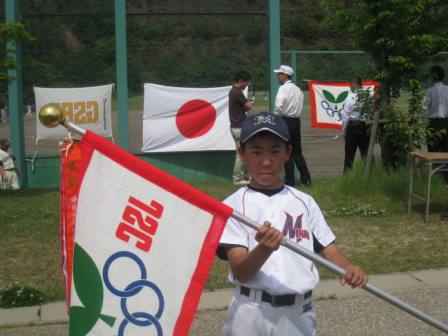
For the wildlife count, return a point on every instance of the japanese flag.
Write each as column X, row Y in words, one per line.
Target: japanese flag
column 186, row 119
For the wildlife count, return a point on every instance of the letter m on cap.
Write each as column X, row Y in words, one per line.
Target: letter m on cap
column 291, row 228
column 264, row 120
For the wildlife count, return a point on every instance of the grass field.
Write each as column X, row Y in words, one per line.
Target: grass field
column 369, row 218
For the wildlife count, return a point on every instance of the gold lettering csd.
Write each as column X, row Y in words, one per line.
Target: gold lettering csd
column 80, row 112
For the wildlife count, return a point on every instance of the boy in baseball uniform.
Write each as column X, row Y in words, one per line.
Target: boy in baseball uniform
column 273, row 294
column 8, row 171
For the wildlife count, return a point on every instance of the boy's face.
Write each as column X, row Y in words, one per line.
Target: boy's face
column 265, row 156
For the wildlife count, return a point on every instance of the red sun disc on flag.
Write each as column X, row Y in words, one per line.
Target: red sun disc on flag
column 195, row 118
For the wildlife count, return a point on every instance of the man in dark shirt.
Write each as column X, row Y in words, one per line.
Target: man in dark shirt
column 238, row 106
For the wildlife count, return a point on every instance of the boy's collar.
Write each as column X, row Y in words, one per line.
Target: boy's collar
column 267, row 192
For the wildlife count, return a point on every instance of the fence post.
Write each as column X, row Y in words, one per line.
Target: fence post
column 293, row 56
column 122, row 73
column 369, row 159
column 15, row 94
column 274, row 48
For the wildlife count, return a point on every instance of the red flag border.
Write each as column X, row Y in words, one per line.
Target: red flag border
column 219, row 210
column 314, row 122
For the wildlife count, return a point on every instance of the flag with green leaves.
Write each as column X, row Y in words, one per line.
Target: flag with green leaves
column 327, row 102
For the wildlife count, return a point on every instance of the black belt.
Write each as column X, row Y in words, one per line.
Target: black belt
column 276, row 300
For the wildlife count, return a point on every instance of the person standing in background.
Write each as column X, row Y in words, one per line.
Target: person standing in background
column 3, row 113
column 8, row 171
column 436, row 106
column 29, row 110
column 353, row 124
column 289, row 105
column 238, row 106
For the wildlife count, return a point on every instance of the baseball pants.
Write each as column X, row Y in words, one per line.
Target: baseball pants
column 297, row 157
column 11, row 183
column 251, row 316
column 240, row 172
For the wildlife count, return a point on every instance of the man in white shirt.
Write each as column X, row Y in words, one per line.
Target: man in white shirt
column 353, row 124
column 436, row 106
column 289, row 105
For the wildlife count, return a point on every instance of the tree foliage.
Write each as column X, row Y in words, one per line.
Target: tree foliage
column 185, row 50
column 401, row 36
column 10, row 32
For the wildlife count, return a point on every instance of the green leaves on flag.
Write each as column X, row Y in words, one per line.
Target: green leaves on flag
column 329, row 96
column 342, row 96
column 89, row 287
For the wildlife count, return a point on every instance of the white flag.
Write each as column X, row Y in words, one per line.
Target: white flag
column 186, row 119
column 88, row 107
column 327, row 102
column 143, row 243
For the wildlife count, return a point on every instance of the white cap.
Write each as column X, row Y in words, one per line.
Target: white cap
column 287, row 70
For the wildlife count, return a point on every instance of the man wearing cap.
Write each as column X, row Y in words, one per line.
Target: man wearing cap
column 8, row 171
column 238, row 106
column 289, row 105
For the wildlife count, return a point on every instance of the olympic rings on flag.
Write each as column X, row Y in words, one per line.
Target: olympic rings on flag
column 141, row 319
column 334, row 113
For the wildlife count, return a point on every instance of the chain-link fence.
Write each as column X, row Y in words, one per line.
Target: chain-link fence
column 176, row 43
column 329, row 66
column 196, row 43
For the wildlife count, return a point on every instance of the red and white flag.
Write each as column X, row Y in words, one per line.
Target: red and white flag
column 186, row 119
column 327, row 102
column 137, row 243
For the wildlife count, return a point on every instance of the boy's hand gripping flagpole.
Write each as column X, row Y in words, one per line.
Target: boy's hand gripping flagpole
column 50, row 115
column 340, row 271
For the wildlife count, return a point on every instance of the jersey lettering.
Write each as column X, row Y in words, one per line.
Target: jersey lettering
column 295, row 230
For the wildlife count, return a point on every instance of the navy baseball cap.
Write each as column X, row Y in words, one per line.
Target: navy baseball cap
column 264, row 121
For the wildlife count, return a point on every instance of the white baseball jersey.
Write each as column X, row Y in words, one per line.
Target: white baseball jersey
column 294, row 213
column 6, row 160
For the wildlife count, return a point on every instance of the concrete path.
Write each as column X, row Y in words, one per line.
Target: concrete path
column 352, row 310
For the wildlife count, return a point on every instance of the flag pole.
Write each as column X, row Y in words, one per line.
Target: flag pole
column 51, row 116
column 340, row 271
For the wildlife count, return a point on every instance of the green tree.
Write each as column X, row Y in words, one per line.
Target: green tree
column 10, row 32
column 400, row 35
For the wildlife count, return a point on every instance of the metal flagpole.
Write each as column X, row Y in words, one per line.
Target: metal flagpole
column 340, row 271
column 50, row 115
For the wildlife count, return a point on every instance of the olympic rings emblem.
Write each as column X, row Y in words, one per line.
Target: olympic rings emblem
column 334, row 113
column 141, row 319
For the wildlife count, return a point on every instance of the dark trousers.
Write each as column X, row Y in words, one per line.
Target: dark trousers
column 356, row 136
column 296, row 155
column 438, row 142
